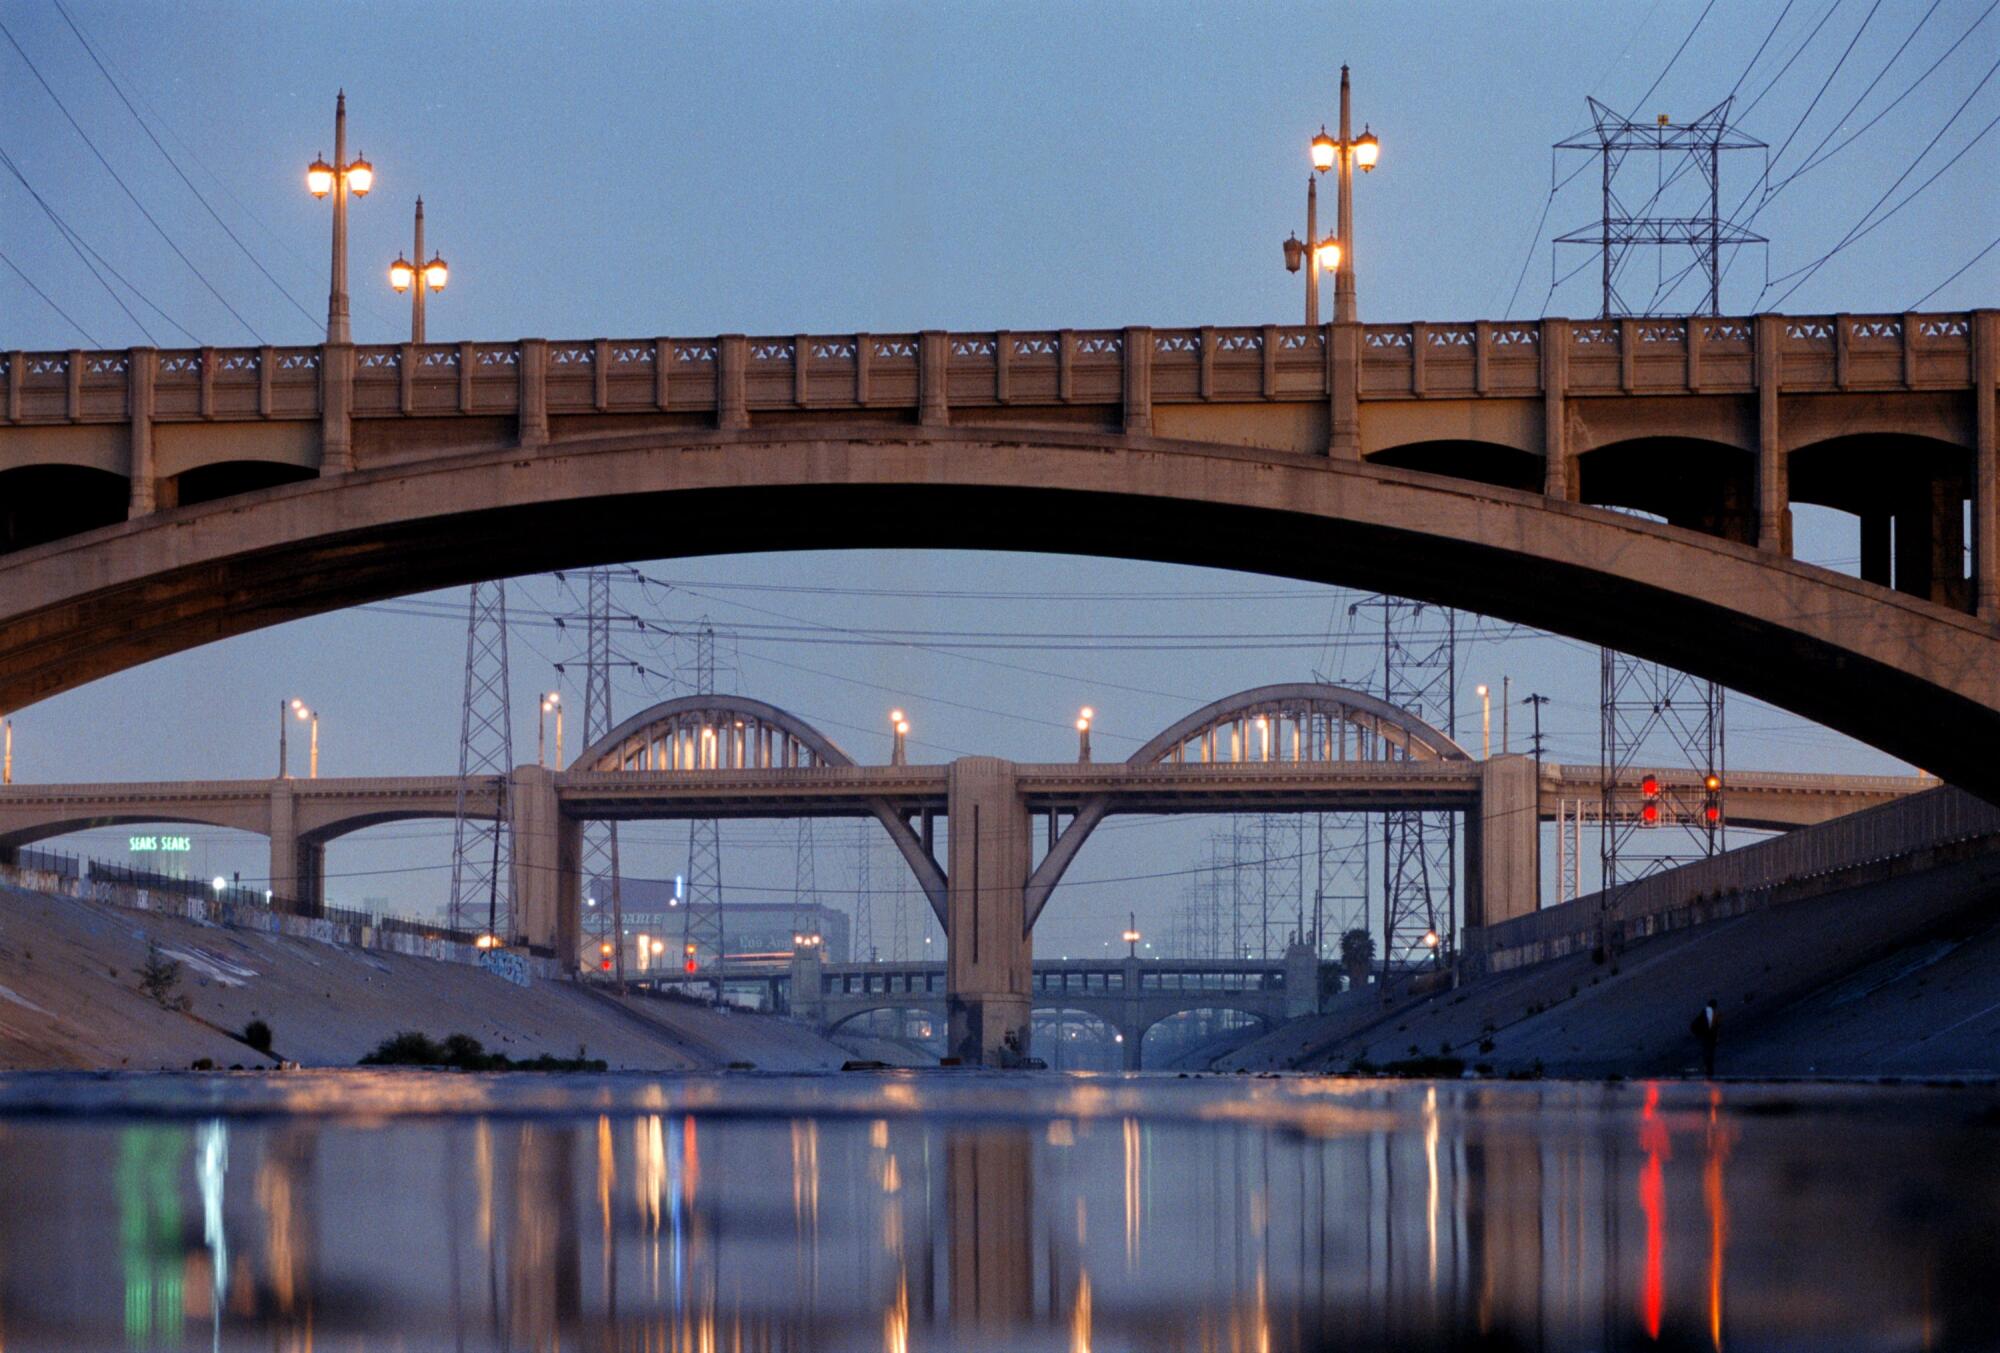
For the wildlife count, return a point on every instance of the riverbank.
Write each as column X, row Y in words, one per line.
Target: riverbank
column 70, row 998
column 1896, row 978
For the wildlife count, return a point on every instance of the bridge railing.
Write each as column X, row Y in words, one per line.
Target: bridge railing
column 997, row 368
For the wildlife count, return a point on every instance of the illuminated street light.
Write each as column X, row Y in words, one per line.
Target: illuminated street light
column 1131, row 935
column 1083, row 718
column 1485, row 721
column 7, row 757
column 1334, row 253
column 301, row 712
column 403, row 275
column 339, row 178
column 551, row 704
column 218, row 883
column 899, row 750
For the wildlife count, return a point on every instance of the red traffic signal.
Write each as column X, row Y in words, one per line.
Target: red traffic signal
column 1650, row 786
column 1649, row 813
column 690, row 965
column 1713, row 812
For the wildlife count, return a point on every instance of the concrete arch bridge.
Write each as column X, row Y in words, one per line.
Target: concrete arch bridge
column 1623, row 482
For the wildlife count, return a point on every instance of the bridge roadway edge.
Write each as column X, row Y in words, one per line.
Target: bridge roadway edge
column 1915, row 679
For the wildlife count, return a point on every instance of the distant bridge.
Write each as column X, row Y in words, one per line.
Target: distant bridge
column 1285, row 748
column 154, row 500
column 1128, row 995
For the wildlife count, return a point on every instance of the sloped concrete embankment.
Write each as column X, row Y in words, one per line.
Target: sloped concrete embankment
column 70, row 998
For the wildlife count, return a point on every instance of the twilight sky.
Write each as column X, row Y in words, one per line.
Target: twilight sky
column 631, row 170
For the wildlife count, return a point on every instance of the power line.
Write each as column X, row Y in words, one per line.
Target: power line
column 76, row 244
column 1990, row 246
column 126, row 187
column 51, row 303
column 175, row 165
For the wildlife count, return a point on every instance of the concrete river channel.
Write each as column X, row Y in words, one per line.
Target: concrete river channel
column 938, row 1210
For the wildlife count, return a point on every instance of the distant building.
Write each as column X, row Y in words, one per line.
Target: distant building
column 653, row 908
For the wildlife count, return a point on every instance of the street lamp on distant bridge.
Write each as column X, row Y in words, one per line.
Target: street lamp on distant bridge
column 311, row 716
column 339, row 178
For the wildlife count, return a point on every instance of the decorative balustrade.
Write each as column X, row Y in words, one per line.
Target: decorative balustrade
column 1027, row 368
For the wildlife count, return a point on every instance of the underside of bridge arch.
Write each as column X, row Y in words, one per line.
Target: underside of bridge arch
column 1221, row 1024
column 1481, row 462
column 41, row 503
column 1892, row 670
column 1701, row 486
column 1910, row 495
column 227, row 478
column 56, row 827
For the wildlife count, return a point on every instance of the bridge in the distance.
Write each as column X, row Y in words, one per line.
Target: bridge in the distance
column 1013, row 829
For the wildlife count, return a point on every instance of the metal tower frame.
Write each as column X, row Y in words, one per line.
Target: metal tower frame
column 602, row 924
column 1699, row 145
column 703, row 933
column 1653, row 718
column 481, row 851
column 1419, row 850
column 862, row 946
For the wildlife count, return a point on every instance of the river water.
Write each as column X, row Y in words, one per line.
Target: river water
column 897, row 1211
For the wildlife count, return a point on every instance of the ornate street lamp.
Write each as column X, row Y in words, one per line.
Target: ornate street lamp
column 1334, row 254
column 339, row 178
column 404, row 276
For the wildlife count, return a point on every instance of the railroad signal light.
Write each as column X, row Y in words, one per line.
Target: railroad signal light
column 1713, row 812
column 1649, row 806
column 690, row 965
column 1649, row 813
column 1713, row 783
column 604, row 964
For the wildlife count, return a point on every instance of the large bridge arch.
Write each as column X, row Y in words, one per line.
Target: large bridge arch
column 736, row 732
column 1917, row 679
column 1252, row 726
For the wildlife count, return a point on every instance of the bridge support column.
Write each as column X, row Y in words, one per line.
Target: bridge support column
column 1131, row 1025
column 1343, row 383
column 532, row 417
column 808, row 1003
column 1503, row 839
column 1138, row 347
column 1556, row 477
column 336, row 408
column 141, row 365
column 988, row 955
column 1302, row 979
column 298, row 868
column 1986, row 464
column 548, row 891
column 1774, row 490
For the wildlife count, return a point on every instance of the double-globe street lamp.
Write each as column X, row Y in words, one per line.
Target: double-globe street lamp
column 418, row 278
column 287, row 711
column 339, row 178
column 1335, row 252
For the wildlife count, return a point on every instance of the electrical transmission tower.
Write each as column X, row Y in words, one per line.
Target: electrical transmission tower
column 702, row 929
column 1655, row 719
column 1695, row 147
column 1280, row 882
column 1419, row 850
column 603, row 911
column 480, row 851
column 862, row 948
column 805, row 891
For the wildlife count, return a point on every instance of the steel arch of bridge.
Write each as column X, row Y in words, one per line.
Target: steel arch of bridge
column 734, row 732
column 1319, row 714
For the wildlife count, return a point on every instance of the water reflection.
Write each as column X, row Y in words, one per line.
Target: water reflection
column 1669, row 1216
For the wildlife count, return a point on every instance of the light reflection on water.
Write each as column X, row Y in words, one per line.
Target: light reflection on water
column 991, row 1211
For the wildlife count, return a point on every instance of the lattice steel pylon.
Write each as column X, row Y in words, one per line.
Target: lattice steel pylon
column 604, row 910
column 805, row 892
column 862, row 948
column 1280, row 882
column 1419, row 850
column 1698, row 145
column 1656, row 719
column 703, row 934
column 481, row 851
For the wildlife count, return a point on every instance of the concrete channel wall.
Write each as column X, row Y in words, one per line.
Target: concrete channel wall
column 245, row 916
column 1889, row 841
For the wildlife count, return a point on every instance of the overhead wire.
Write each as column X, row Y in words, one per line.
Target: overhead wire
column 79, row 245
column 175, row 165
column 49, row 300
column 120, row 181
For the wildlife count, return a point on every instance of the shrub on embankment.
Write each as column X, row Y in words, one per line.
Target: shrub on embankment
column 462, row 1052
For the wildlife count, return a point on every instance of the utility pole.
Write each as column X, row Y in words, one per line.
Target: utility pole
column 480, row 851
column 1535, row 701
column 864, row 888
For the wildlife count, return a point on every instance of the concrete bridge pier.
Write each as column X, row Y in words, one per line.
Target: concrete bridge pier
column 548, row 848
column 1503, row 838
column 988, row 954
column 298, row 867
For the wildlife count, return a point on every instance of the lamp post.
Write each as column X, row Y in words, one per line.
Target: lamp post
column 1485, row 722
column 339, row 178
column 1340, row 153
column 1131, row 936
column 1083, row 718
column 551, row 703
column 899, row 750
column 311, row 716
column 7, row 758
column 418, row 278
